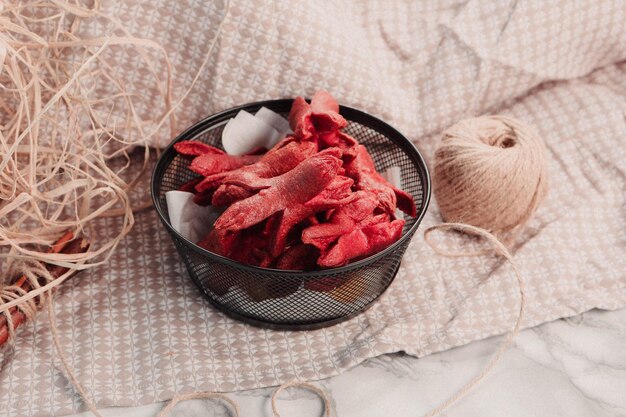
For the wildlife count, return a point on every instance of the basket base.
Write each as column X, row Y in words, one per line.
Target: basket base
column 291, row 326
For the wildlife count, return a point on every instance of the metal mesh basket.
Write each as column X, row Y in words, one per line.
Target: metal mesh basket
column 295, row 300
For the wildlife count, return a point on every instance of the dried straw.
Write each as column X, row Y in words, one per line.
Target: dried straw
column 495, row 247
column 68, row 125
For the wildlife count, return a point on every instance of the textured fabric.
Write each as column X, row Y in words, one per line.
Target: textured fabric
column 137, row 331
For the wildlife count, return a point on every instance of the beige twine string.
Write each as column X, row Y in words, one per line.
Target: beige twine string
column 498, row 249
column 199, row 396
column 320, row 392
column 69, row 371
column 490, row 172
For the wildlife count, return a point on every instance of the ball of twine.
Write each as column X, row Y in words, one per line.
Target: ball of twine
column 490, row 172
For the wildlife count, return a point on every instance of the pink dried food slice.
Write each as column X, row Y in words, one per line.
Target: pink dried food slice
column 273, row 163
column 299, row 257
column 319, row 121
column 300, row 120
column 337, row 193
column 244, row 183
column 190, row 186
column 362, row 242
column 325, row 113
column 364, row 173
column 343, row 220
column 209, row 164
column 196, row 148
column 297, row 186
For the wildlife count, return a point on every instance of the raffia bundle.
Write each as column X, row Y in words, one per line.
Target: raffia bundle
column 68, row 122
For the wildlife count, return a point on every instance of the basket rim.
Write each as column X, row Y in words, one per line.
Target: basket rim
column 349, row 113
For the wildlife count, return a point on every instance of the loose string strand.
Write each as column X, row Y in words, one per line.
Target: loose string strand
column 199, row 396
column 501, row 250
column 299, row 384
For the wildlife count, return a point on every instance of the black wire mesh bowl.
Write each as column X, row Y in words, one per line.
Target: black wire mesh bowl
column 295, row 300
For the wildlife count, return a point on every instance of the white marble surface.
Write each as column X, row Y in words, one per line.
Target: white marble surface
column 573, row 367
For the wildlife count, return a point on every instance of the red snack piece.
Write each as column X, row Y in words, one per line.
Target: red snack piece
column 227, row 194
column 343, row 141
column 204, row 198
column 252, row 248
column 297, row 186
column 273, row 163
column 325, row 113
column 190, row 186
column 210, row 163
column 337, row 193
column 352, row 232
column 300, row 119
column 248, row 246
column 366, row 239
column 239, row 184
column 195, row 148
column 319, row 121
column 343, row 220
column 220, row 242
column 364, row 173
column 299, row 257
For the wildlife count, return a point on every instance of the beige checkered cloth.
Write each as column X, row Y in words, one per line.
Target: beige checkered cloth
column 137, row 330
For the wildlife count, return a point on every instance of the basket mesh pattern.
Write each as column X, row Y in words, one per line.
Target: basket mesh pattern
column 290, row 299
